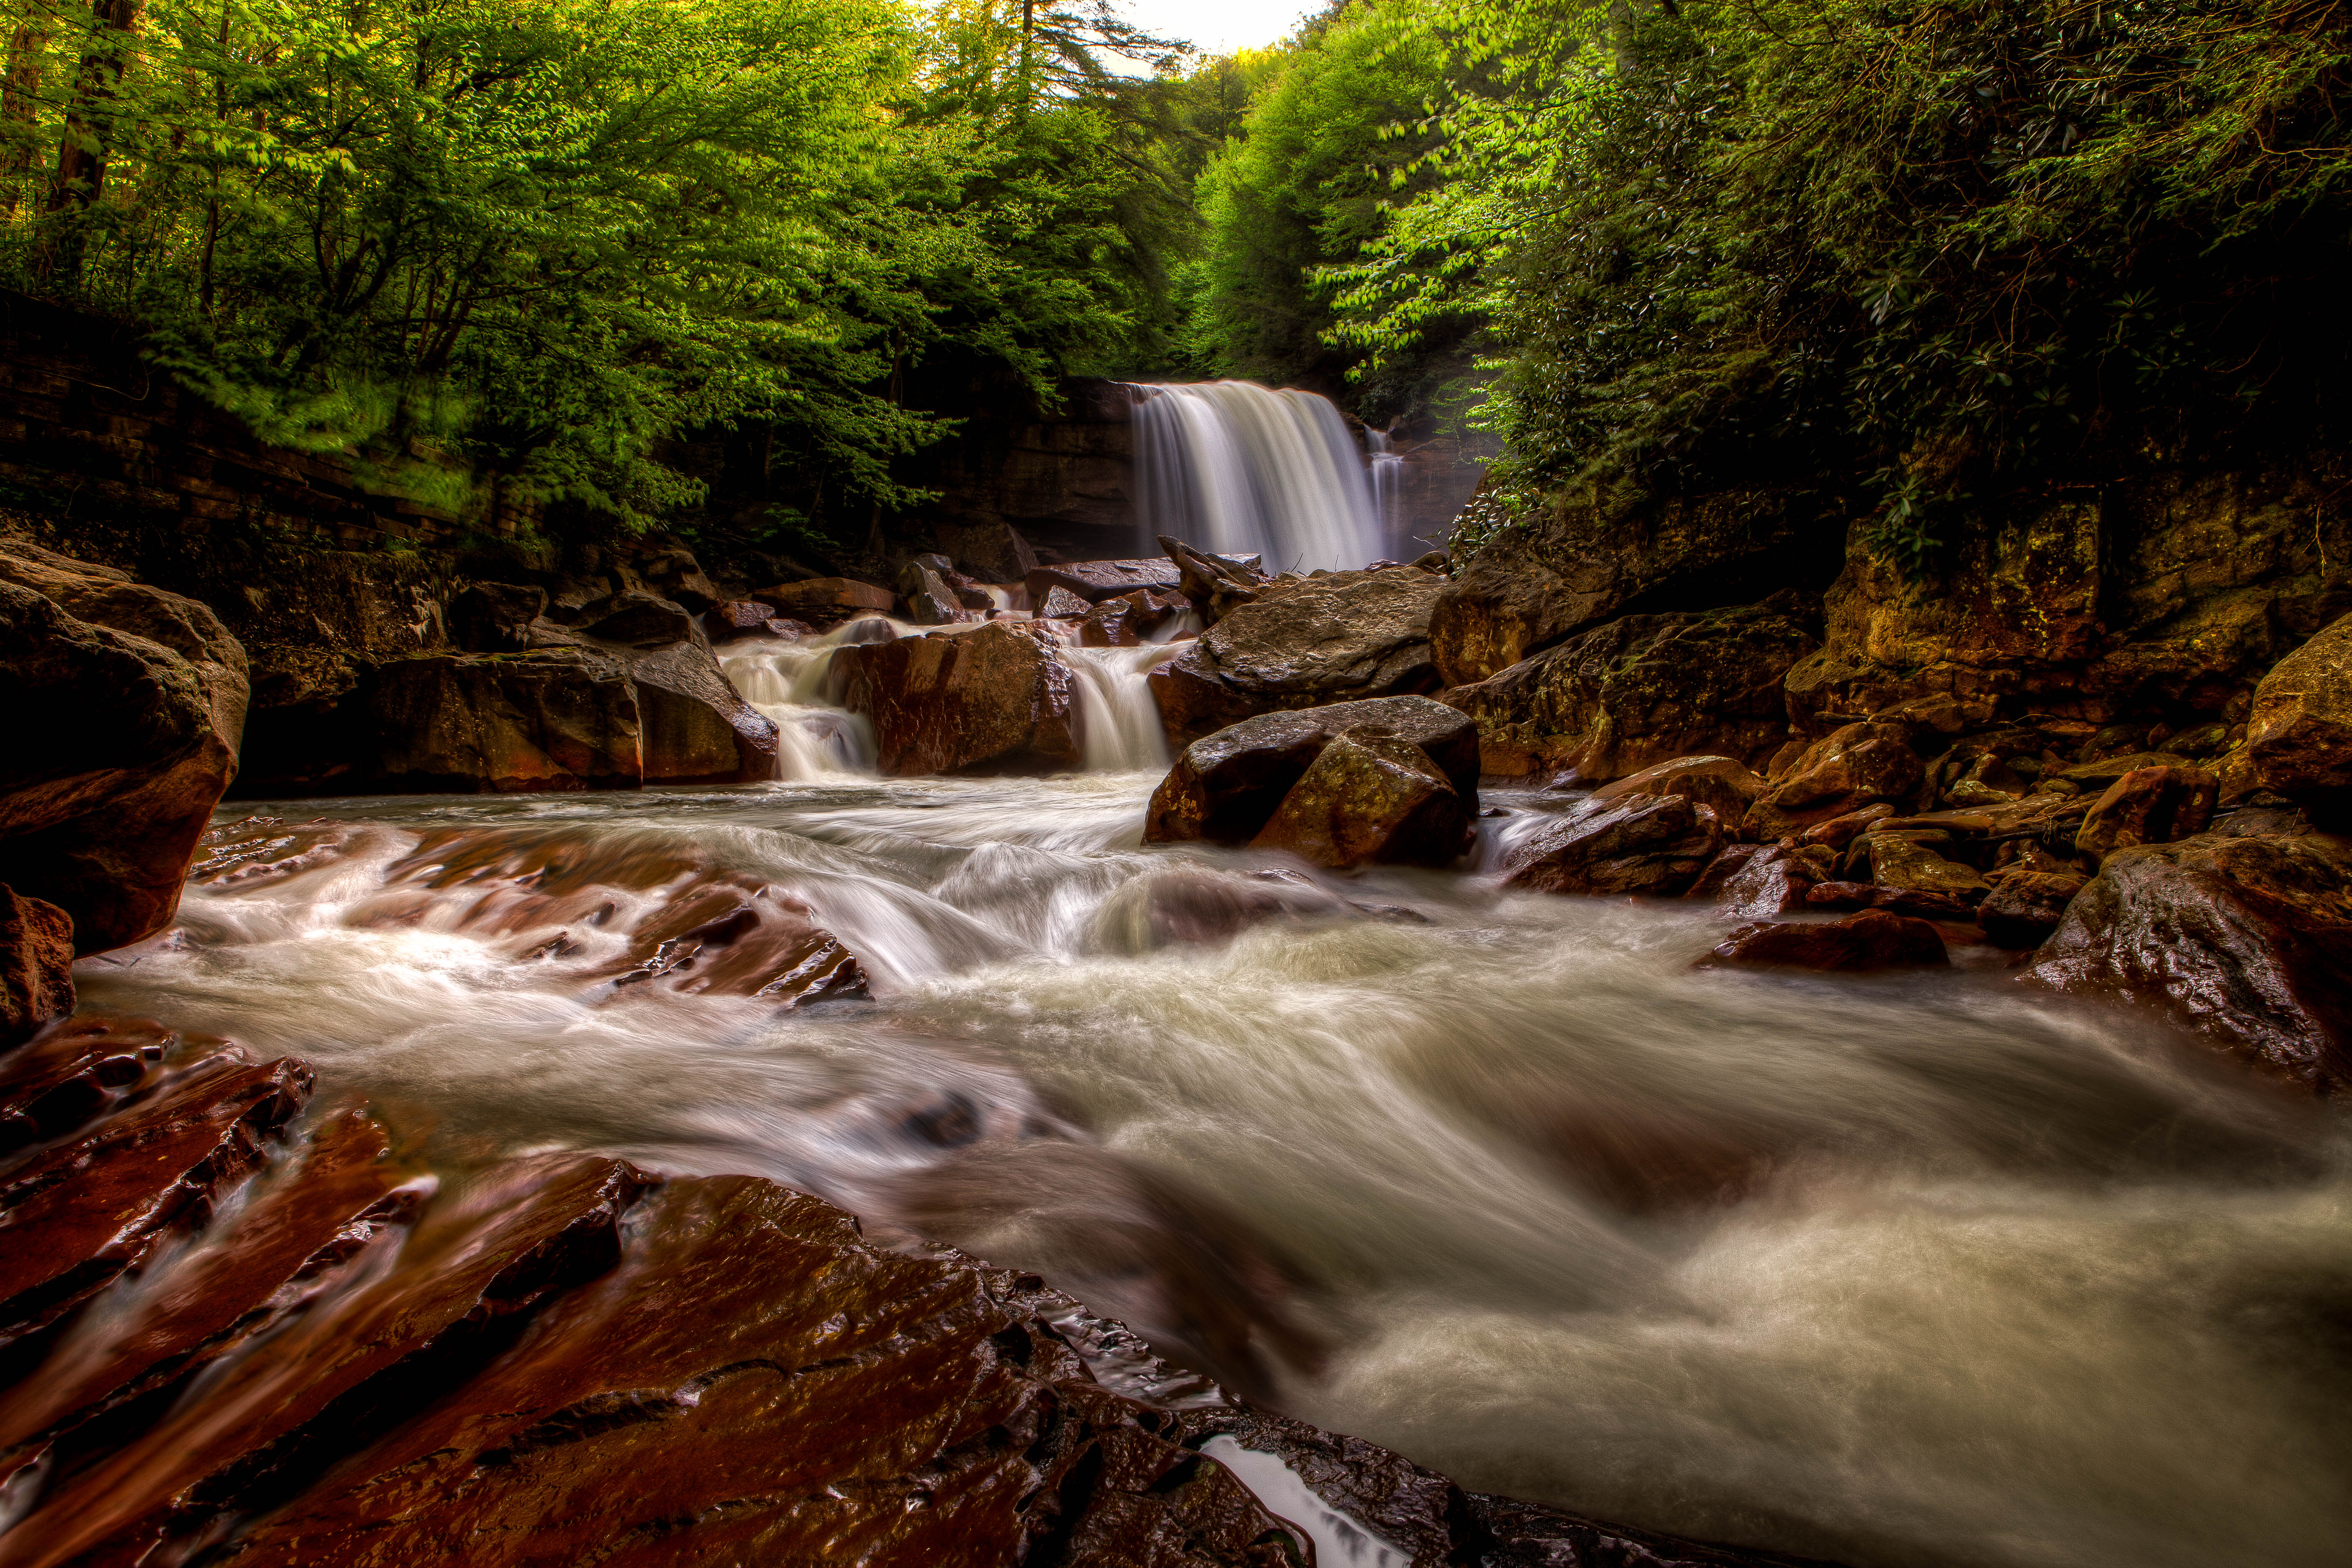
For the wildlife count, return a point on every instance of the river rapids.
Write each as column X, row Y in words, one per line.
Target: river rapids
column 1896, row 1270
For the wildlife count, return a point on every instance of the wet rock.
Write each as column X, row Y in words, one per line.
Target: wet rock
column 1060, row 605
column 1371, row 799
column 1091, row 582
column 36, row 964
column 1582, row 562
column 1834, row 895
column 1640, row 690
column 1225, row 788
column 931, row 600
column 825, row 601
column 1729, row 863
column 2097, row 775
column 1334, row 637
column 1841, row 831
column 2299, row 731
column 1903, row 863
column 991, row 700
column 1869, row 941
column 1216, row 585
column 2246, row 940
column 1852, row 767
column 737, row 618
column 1655, row 844
column 71, row 1074
column 636, row 620
column 1722, row 782
column 554, row 719
column 993, row 552
column 2149, row 806
column 101, row 816
column 693, row 726
column 2021, row 910
column 1772, row 882
column 1127, row 620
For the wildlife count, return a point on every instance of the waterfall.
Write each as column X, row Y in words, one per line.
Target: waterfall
column 1230, row 466
column 1385, row 470
column 815, row 737
column 1118, row 722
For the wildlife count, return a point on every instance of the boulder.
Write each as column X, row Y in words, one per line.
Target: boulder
column 498, row 617
column 1093, row 581
column 37, row 956
column 931, row 599
column 1871, row 940
column 1216, row 585
column 1335, row 637
column 995, row 699
column 1723, row 782
column 1060, row 605
column 2149, row 806
column 1728, row 864
column 1852, row 767
column 1128, row 619
column 2246, row 940
column 693, row 726
column 1585, row 558
column 1771, row 882
column 2299, row 731
column 1907, row 865
column 1642, row 689
column 636, row 620
column 554, row 719
column 128, row 746
column 828, row 601
column 1832, row 895
column 991, row 552
column 1648, row 844
column 1225, row 787
column 1371, row 798
column 2022, row 909
column 1840, row 831
column 738, row 618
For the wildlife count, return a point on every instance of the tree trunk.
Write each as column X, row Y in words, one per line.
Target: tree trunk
column 20, row 93
column 80, row 177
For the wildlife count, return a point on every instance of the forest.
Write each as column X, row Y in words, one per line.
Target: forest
column 1944, row 248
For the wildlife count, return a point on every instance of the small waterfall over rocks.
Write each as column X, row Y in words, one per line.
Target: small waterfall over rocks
column 1235, row 468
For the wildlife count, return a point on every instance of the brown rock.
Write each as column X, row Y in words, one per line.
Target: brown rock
column 103, row 818
column 1335, row 637
column 2107, row 770
column 1852, row 767
column 1127, row 620
column 1893, row 900
column 693, row 726
column 828, row 601
column 1907, row 865
column 68, row 1076
column 2246, row 940
column 1871, row 940
column 1640, row 690
column 1723, row 782
column 992, row 701
column 1090, row 582
column 1060, row 605
column 2149, row 806
column 2299, row 732
column 2023, row 910
column 1655, row 844
column 738, row 618
column 1728, row 864
column 1371, row 799
column 36, row 966
column 497, row 617
column 1840, row 831
column 1773, row 882
column 993, row 552
column 555, row 719
column 1225, row 788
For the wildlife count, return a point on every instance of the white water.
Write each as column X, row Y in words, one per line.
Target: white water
column 1233, row 466
column 793, row 683
column 1907, row 1271
column 1385, row 470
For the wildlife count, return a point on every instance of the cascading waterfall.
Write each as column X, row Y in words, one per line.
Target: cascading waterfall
column 1233, row 466
column 1385, row 470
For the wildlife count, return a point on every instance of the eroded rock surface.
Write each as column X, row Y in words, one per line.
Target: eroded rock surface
column 2299, row 732
column 1656, row 844
column 995, row 699
column 559, row 1357
column 556, row 718
column 1871, row 940
column 36, row 964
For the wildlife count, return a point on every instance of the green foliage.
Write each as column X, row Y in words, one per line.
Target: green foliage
column 546, row 235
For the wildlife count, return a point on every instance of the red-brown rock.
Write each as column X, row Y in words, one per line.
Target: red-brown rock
column 2246, row 940
column 1655, row 844
column 36, row 966
column 828, row 601
column 1871, row 940
column 2149, row 806
column 1848, row 769
column 2299, row 732
column 737, row 618
column 1772, row 882
column 1724, row 783
column 995, row 699
column 1371, row 798
column 2023, row 910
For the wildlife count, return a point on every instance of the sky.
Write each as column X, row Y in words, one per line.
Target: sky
column 1219, row 27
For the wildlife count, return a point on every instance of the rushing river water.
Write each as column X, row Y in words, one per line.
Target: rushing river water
column 1903, row 1270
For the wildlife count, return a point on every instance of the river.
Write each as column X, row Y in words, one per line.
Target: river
column 1914, row 1270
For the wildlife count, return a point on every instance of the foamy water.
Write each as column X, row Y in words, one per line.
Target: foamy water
column 1908, row 1269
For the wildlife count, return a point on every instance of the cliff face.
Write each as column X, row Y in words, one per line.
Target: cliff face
column 2159, row 599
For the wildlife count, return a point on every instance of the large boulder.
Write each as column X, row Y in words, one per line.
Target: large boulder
column 1225, row 787
column 1371, row 798
column 1905, row 865
column 125, row 746
column 1648, row 844
column 693, row 726
column 1094, row 581
column 827, row 601
column 995, row 699
column 2025, row 907
column 2299, row 732
column 1640, row 690
column 1335, row 636
column 2148, row 805
column 36, row 966
column 1584, row 560
column 2247, row 940
column 554, row 719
